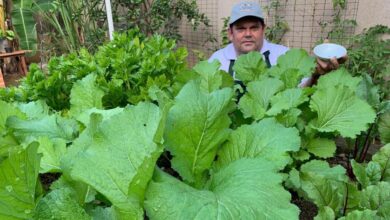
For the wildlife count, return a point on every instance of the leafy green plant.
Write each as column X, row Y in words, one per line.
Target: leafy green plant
column 368, row 54
column 129, row 68
column 66, row 30
column 8, row 34
column 279, row 27
column 216, row 166
column 339, row 29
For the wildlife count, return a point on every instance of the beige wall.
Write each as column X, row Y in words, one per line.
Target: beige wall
column 372, row 12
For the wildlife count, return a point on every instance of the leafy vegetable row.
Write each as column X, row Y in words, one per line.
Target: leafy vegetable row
column 190, row 150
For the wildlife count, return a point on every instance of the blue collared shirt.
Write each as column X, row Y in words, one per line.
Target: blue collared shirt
column 225, row 55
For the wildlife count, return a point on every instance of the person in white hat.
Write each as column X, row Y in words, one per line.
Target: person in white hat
column 246, row 33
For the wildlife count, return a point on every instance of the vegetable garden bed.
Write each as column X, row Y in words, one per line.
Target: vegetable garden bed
column 131, row 132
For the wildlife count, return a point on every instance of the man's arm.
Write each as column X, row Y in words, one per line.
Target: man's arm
column 322, row 68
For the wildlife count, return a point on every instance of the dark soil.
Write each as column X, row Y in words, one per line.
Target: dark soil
column 12, row 79
column 308, row 209
column 48, row 178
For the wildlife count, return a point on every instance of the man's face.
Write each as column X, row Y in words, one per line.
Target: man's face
column 247, row 35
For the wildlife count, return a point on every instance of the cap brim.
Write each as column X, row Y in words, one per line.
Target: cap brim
column 231, row 21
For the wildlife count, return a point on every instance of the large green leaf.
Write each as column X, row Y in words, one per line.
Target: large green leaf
column 59, row 204
column 383, row 158
column 210, row 77
column 81, row 192
column 250, row 67
column 197, row 124
column 323, row 185
column 18, row 179
column 266, row 139
column 256, row 100
column 117, row 157
column 338, row 77
column 289, row 118
column 52, row 151
column 384, row 127
column 377, row 198
column 85, row 94
column 85, row 116
column 24, row 24
column 51, row 126
column 8, row 110
column 287, row 99
column 321, row 147
column 291, row 78
column 34, row 110
column 339, row 110
column 238, row 191
column 294, row 59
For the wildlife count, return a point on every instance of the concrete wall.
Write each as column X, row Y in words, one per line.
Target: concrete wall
column 373, row 12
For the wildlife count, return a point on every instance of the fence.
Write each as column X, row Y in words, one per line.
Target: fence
column 309, row 21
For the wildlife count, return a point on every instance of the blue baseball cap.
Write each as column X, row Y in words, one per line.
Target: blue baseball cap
column 245, row 9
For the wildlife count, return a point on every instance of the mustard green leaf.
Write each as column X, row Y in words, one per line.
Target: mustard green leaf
column 52, row 126
column 291, row 78
column 85, row 94
column 84, row 117
column 256, row 100
column 324, row 192
column 338, row 77
column 321, row 147
column 296, row 59
column 52, row 151
column 18, row 179
column 81, row 192
column 36, row 109
column 210, row 79
column 250, row 67
column 265, row 139
column 8, row 110
column 293, row 180
column 287, row 99
column 321, row 169
column 117, row 157
column 238, row 191
column 289, row 118
column 197, row 124
column 301, row 155
column 323, row 185
column 339, row 110
column 59, row 204
column 7, row 144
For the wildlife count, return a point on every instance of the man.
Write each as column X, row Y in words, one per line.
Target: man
column 246, row 33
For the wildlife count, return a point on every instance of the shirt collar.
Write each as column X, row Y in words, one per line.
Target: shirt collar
column 230, row 52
